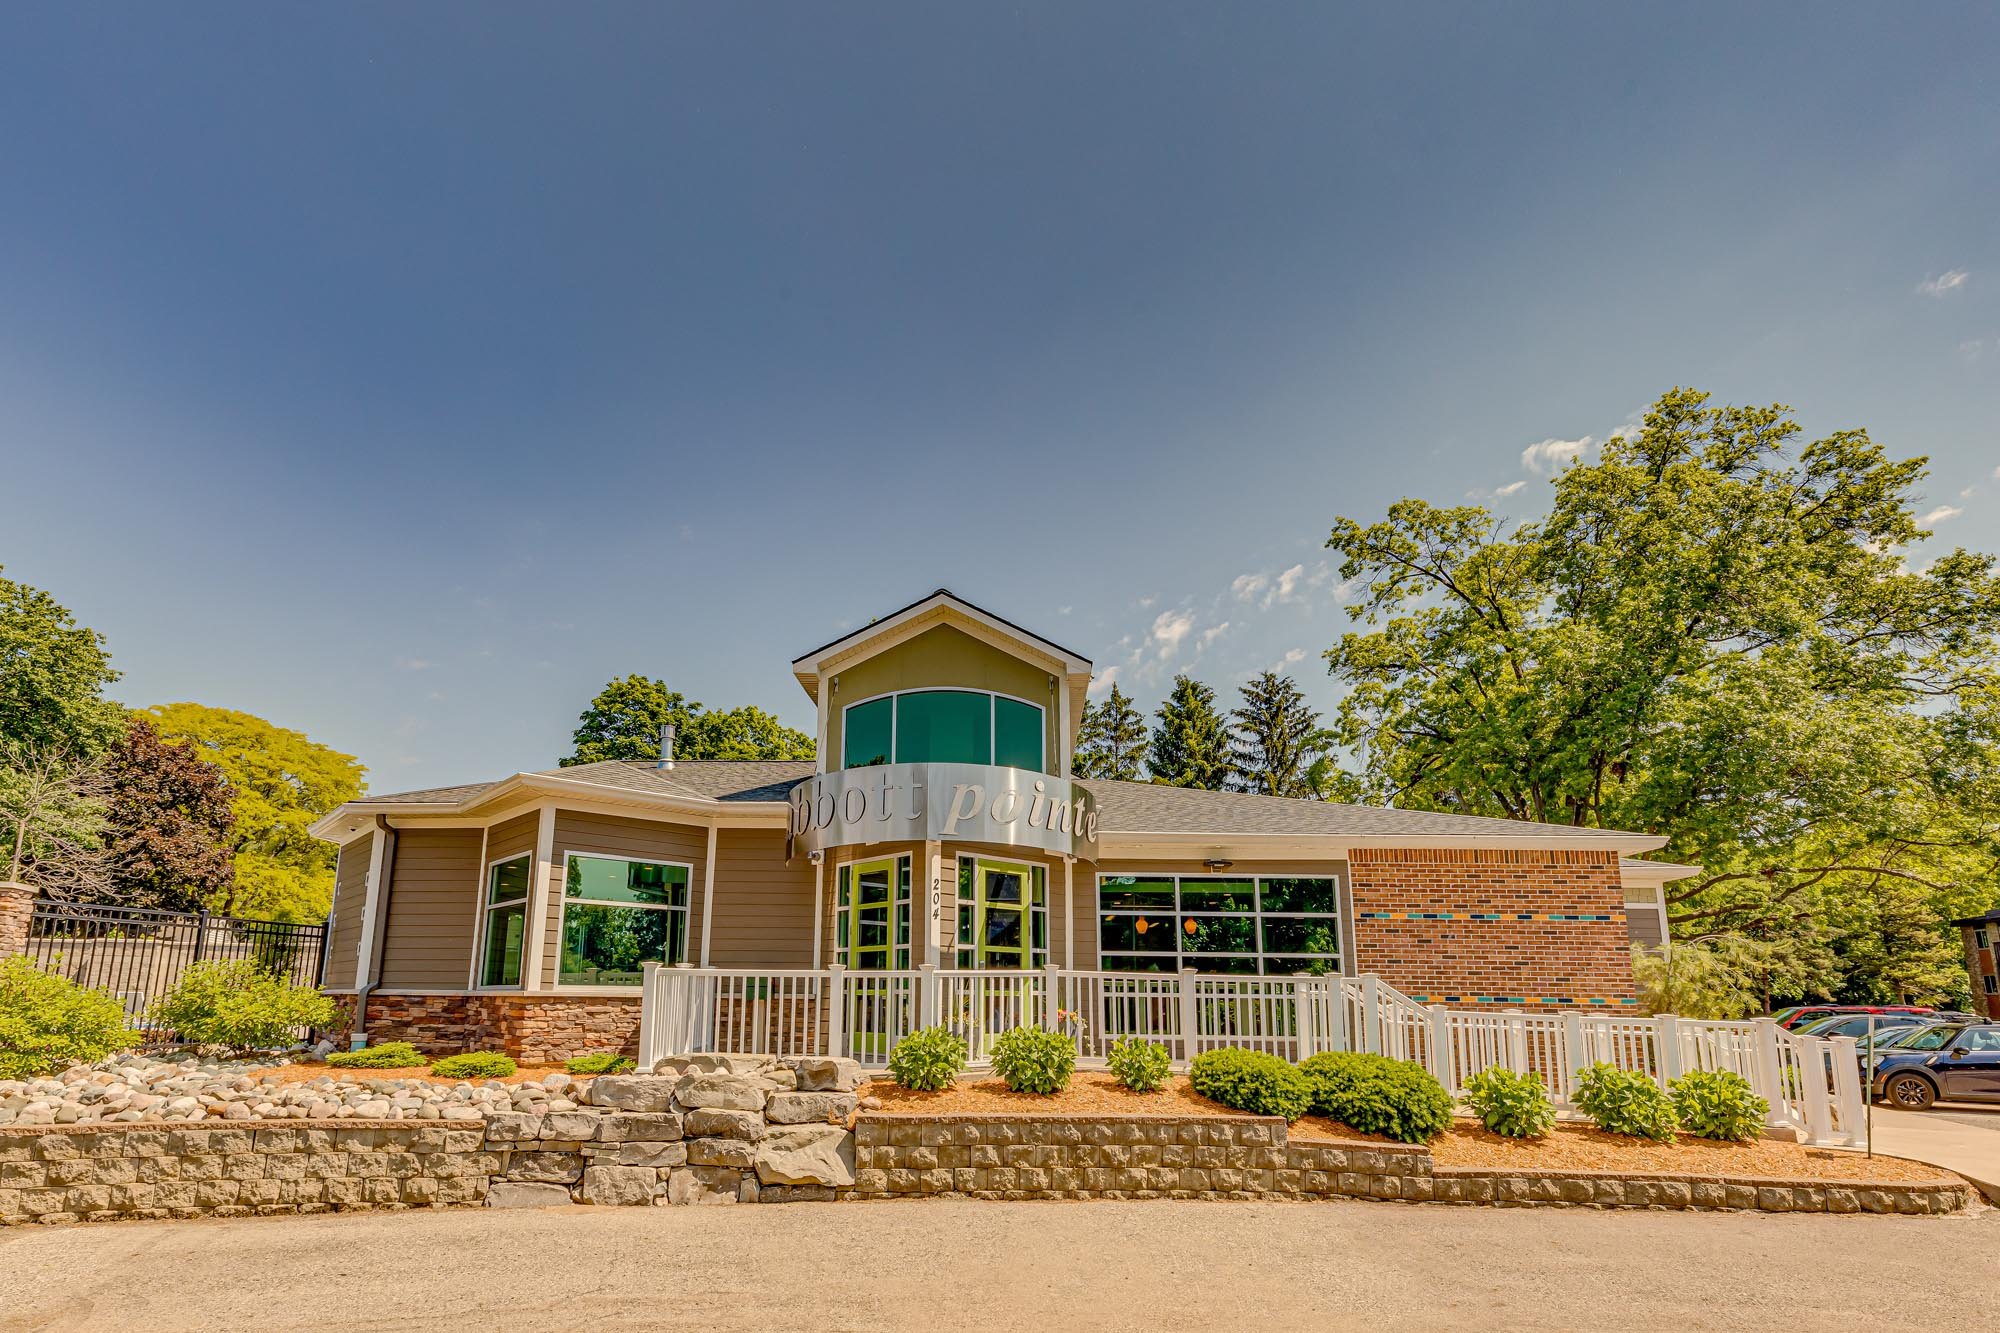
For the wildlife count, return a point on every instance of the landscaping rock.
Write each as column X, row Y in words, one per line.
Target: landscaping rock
column 722, row 1152
column 635, row 1092
column 519, row 1194
column 746, row 1125
column 806, row 1155
column 722, row 1092
column 619, row 1185
column 704, row 1184
column 639, row 1127
column 805, row 1108
column 821, row 1074
column 656, row 1155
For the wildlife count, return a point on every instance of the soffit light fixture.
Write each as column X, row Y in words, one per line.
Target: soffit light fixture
column 1214, row 864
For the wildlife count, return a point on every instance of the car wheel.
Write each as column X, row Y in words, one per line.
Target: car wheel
column 1912, row 1092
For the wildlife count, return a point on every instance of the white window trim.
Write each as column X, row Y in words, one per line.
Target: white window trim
column 486, row 906
column 908, row 918
column 562, row 913
column 992, row 718
column 1257, row 916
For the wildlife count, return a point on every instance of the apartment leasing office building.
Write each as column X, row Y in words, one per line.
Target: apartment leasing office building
column 940, row 826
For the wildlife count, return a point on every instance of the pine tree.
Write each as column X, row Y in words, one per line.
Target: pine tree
column 1277, row 738
column 1111, row 742
column 1190, row 745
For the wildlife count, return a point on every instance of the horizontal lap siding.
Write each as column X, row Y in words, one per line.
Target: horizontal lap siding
column 613, row 835
column 350, row 891
column 427, row 942
column 763, row 904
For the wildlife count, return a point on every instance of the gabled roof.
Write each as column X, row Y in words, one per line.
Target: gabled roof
column 940, row 607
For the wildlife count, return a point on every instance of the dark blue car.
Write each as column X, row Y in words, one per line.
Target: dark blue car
column 1957, row 1062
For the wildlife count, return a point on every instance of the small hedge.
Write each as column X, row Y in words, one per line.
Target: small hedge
column 48, row 1022
column 389, row 1055
column 1139, row 1064
column 1716, row 1104
column 600, row 1062
column 1033, row 1059
column 474, row 1064
column 1377, row 1095
column 1514, row 1106
column 928, row 1060
column 1624, row 1103
column 1251, row 1081
column 240, row 1004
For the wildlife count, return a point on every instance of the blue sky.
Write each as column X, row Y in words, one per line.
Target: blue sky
column 401, row 373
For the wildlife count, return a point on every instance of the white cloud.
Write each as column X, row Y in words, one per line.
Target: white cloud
column 1101, row 682
column 1513, row 488
column 1292, row 658
column 1146, row 602
column 1247, row 586
column 414, row 664
column 1944, row 283
column 1996, row 474
column 1943, row 513
column 1288, row 583
column 1211, row 634
column 1551, row 455
column 1064, row 610
column 1169, row 629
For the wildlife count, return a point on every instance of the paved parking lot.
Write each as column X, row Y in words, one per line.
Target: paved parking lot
column 946, row 1264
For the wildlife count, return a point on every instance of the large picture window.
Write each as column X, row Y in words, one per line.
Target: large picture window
column 505, row 926
column 944, row 727
column 1259, row 925
column 618, row 915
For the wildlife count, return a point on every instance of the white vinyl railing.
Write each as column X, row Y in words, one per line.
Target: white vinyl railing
column 1812, row 1084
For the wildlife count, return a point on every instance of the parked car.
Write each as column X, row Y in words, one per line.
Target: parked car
column 1800, row 1014
column 1856, row 1025
column 1952, row 1061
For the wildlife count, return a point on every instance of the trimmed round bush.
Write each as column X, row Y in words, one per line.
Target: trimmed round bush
column 389, row 1055
column 1718, row 1104
column 1252, row 1081
column 48, row 1022
column 599, row 1062
column 1624, row 1103
column 1033, row 1059
column 1514, row 1106
column 474, row 1064
column 1377, row 1095
column 928, row 1060
column 239, row 1004
column 1139, row 1064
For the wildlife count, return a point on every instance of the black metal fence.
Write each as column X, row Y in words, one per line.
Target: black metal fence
column 137, row 953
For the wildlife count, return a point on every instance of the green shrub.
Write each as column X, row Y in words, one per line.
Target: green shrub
column 600, row 1062
column 1034, row 1059
column 1624, row 1103
column 389, row 1055
column 240, row 1005
column 929, row 1059
column 1716, row 1104
column 1139, row 1064
column 48, row 1022
column 1377, row 1095
column 1514, row 1106
column 474, row 1064
column 1251, row 1081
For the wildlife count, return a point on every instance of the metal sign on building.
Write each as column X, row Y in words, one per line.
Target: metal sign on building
column 986, row 803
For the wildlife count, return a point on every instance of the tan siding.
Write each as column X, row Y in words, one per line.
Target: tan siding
column 511, row 837
column 686, row 844
column 763, row 904
column 427, row 941
column 350, row 890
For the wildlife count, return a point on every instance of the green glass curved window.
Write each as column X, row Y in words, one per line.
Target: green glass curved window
column 1017, row 734
column 869, row 733
column 944, row 727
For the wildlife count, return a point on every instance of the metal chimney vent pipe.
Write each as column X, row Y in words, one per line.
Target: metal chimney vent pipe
column 667, row 732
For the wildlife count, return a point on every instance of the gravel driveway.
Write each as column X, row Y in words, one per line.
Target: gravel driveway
column 945, row 1264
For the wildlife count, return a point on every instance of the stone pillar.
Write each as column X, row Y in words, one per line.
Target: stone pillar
column 17, row 905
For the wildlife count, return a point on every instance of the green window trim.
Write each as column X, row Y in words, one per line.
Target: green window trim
column 503, row 922
column 1007, row 930
column 945, row 725
column 1263, row 925
column 619, row 913
column 871, row 914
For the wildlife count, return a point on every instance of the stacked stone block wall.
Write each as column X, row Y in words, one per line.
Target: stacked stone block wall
column 17, row 910
column 536, row 1029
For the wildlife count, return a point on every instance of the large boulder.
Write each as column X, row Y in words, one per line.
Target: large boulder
column 723, row 1092
column 721, row 1152
column 806, row 1108
column 620, row 1185
column 708, row 1184
column 806, row 1155
column 640, row 1127
column 632, row 1092
column 824, row 1074
column 705, row 1123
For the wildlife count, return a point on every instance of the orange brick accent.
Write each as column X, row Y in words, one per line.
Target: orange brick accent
column 1530, row 929
column 535, row 1029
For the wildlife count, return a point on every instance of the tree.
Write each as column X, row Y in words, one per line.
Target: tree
column 1111, row 740
column 51, row 820
column 1190, row 746
column 170, row 829
column 1277, row 739
column 52, row 676
column 624, row 721
column 280, row 782
column 1714, row 635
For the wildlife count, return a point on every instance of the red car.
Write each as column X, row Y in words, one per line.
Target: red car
column 1806, row 1013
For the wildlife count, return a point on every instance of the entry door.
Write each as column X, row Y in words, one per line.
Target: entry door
column 1001, row 928
column 871, row 910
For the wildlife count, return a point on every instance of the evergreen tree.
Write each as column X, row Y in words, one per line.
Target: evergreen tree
column 1190, row 745
column 1111, row 742
column 1278, row 738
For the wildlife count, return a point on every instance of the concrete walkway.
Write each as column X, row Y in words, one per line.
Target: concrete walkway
column 1960, row 1138
column 944, row 1264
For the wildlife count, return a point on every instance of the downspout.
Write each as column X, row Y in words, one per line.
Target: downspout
column 359, row 1037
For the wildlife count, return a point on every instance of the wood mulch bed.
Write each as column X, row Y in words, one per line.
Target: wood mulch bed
column 1090, row 1093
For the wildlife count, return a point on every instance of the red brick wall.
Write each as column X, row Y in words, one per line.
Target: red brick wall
column 536, row 1029
column 1525, row 929
column 1980, row 963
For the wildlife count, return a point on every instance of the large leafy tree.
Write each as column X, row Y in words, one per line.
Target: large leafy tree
column 52, row 814
column 1111, row 739
column 280, row 781
column 170, row 827
column 1714, row 635
column 1190, row 745
column 52, row 677
column 624, row 721
column 1277, row 738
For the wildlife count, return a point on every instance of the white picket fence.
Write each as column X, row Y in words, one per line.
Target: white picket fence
column 1812, row 1084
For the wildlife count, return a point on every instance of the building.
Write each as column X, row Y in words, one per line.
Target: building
column 1982, row 961
column 940, row 828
